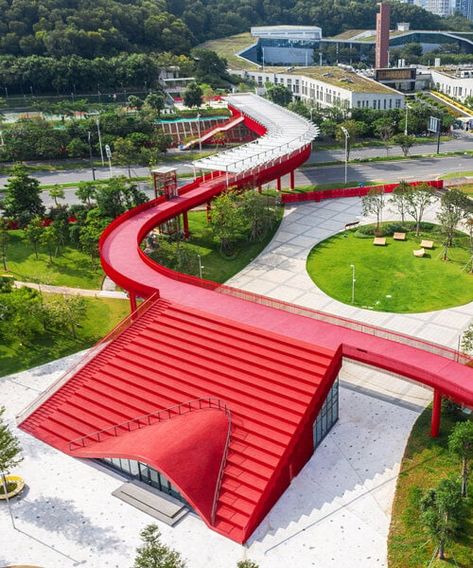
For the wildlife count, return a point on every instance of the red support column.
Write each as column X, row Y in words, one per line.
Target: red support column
column 436, row 413
column 208, row 210
column 185, row 220
column 278, row 184
column 292, row 180
column 132, row 297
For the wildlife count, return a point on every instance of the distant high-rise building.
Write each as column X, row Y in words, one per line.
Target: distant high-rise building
column 465, row 7
column 382, row 36
column 439, row 7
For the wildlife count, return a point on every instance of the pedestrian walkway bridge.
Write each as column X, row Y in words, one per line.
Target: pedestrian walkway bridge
column 269, row 363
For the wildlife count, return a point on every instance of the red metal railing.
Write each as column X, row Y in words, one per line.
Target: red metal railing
column 150, row 419
column 223, row 463
column 91, row 353
column 348, row 192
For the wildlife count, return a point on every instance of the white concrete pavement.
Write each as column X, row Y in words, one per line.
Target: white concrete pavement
column 280, row 272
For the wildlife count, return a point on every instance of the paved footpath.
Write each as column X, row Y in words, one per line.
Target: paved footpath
column 104, row 293
column 280, row 272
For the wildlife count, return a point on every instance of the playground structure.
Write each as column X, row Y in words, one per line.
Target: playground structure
column 215, row 387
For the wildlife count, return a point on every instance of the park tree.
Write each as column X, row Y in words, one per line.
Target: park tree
column 384, row 130
column 10, row 449
column 460, row 442
column 259, row 213
column 247, row 564
column 118, row 195
column 153, row 553
column 454, row 206
column 374, row 203
column 70, row 312
column 210, row 67
column 417, row 200
column 399, row 198
column 90, row 231
column 4, row 240
column 226, row 221
column 405, row 142
column 52, row 238
column 193, row 95
column 87, row 192
column 279, row 94
column 33, row 232
column 22, row 196
column 155, row 102
column 125, row 153
column 441, row 512
column 467, row 339
column 56, row 192
column 355, row 129
column 135, row 102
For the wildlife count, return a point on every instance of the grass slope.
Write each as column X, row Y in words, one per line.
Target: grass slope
column 426, row 461
column 72, row 268
column 391, row 278
column 102, row 316
column 217, row 267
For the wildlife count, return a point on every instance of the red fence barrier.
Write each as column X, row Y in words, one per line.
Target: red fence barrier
column 349, row 192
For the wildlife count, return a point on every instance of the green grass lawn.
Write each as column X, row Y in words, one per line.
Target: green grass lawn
column 217, row 267
column 426, row 461
column 391, row 278
column 103, row 314
column 72, row 268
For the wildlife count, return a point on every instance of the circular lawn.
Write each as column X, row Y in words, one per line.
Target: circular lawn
column 390, row 278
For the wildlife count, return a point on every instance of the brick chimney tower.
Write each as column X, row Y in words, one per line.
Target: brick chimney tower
column 382, row 36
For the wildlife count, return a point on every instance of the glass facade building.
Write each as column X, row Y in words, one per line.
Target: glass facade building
column 145, row 474
column 328, row 415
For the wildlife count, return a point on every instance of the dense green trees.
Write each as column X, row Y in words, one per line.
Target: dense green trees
column 57, row 46
column 22, row 196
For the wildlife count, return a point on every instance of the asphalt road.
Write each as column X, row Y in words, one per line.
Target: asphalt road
column 425, row 168
column 462, row 142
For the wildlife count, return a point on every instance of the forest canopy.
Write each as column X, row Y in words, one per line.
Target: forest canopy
column 94, row 28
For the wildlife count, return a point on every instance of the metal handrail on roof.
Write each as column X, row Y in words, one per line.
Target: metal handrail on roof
column 147, row 420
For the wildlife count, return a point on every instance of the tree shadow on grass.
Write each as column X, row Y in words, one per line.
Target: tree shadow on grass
column 61, row 516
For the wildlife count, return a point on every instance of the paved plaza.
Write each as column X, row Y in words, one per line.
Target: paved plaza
column 280, row 271
column 336, row 512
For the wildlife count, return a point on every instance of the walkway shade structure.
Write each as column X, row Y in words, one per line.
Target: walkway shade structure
column 215, row 387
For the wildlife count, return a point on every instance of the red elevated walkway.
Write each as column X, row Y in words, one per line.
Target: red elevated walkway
column 207, row 136
column 199, row 341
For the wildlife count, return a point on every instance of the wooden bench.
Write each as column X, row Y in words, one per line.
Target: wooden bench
column 399, row 236
column 379, row 241
column 427, row 244
column 351, row 225
column 419, row 252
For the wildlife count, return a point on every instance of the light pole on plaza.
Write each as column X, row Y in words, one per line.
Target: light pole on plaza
column 347, row 136
column 353, row 280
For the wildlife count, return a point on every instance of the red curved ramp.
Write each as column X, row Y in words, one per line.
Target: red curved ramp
column 270, row 362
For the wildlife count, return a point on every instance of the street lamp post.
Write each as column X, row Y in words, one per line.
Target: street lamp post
column 353, row 280
column 198, row 130
column 90, row 155
column 201, row 267
column 347, row 136
column 5, row 489
column 100, row 140
column 405, row 124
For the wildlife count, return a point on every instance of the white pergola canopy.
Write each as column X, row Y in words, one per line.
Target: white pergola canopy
column 286, row 132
